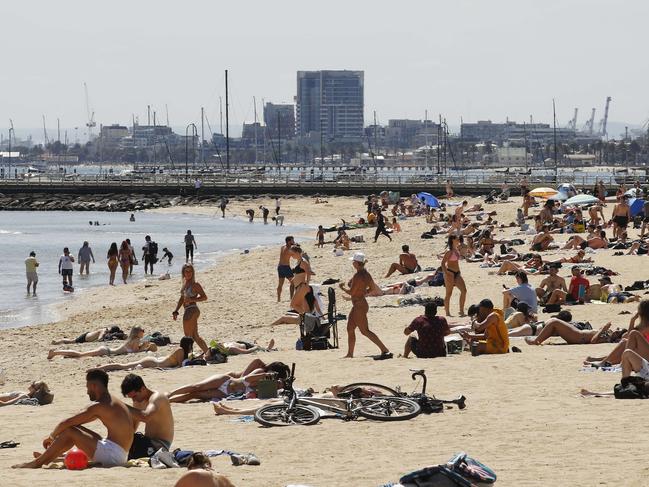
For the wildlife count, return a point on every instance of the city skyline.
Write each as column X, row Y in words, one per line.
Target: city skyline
column 467, row 60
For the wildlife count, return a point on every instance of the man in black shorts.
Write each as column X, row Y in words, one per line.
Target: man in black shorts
column 431, row 330
column 621, row 216
column 154, row 410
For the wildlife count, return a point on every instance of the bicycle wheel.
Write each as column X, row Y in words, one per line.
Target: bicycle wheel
column 280, row 415
column 377, row 389
column 389, row 408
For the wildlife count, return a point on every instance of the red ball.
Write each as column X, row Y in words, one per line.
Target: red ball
column 76, row 459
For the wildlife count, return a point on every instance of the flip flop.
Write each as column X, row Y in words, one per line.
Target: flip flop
column 383, row 356
column 9, row 444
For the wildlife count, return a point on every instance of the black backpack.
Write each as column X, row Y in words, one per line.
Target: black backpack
column 633, row 387
column 153, row 248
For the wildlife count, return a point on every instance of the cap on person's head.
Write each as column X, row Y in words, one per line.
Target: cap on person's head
column 605, row 280
column 576, row 268
column 486, row 303
column 32, row 254
column 358, row 257
column 564, row 315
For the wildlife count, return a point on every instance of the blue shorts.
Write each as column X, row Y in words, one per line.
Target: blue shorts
column 284, row 271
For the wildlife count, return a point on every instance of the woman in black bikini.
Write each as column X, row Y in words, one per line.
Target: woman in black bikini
column 190, row 294
column 452, row 277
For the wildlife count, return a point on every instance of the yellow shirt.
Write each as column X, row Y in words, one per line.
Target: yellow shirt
column 496, row 334
column 31, row 264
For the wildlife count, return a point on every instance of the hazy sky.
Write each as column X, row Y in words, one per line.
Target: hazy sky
column 479, row 59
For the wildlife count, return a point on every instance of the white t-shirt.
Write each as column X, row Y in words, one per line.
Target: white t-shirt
column 278, row 203
column 66, row 262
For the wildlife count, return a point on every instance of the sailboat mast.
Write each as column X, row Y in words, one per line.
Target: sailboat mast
column 254, row 103
column 554, row 136
column 202, row 135
column 227, row 126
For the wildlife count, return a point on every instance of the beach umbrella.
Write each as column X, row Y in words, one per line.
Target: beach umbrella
column 567, row 189
column 560, row 196
column 543, row 192
column 637, row 206
column 582, row 199
column 429, row 199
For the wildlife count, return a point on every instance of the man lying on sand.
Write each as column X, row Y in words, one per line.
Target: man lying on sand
column 134, row 344
column 103, row 334
column 154, row 410
column 614, row 293
column 173, row 360
column 36, row 390
column 114, row 415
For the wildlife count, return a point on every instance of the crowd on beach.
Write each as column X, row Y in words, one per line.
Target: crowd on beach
column 488, row 326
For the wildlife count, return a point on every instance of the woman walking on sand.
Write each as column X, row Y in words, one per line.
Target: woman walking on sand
column 452, row 277
column 124, row 257
column 112, row 257
column 191, row 293
column 359, row 286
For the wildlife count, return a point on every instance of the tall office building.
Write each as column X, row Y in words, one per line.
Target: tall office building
column 280, row 120
column 331, row 102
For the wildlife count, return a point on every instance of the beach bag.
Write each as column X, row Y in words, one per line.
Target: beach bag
column 194, row 361
column 217, row 356
column 429, row 405
column 436, row 476
column 153, row 249
column 633, row 387
column 471, row 469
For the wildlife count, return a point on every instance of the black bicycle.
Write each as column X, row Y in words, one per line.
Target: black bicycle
column 348, row 405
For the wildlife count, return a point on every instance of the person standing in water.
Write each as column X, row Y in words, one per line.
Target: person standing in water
column 278, row 204
column 124, row 257
column 223, row 206
column 84, row 256
column 358, row 288
column 190, row 294
column 190, row 244
column 30, row 268
column 113, row 262
column 66, row 267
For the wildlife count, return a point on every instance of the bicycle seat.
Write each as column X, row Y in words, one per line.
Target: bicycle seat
column 417, row 371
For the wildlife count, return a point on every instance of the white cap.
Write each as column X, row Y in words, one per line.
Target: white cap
column 358, row 257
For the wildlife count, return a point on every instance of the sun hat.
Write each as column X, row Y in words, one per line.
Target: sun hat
column 358, row 257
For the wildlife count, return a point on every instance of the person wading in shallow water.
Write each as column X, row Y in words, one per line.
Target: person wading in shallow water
column 358, row 288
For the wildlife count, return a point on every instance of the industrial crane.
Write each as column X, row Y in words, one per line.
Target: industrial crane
column 573, row 122
column 604, row 121
column 91, row 115
column 45, row 138
column 590, row 123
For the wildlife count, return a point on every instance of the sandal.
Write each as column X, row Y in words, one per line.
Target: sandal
column 383, row 356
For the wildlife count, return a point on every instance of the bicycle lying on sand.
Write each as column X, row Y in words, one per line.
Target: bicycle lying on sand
column 360, row 399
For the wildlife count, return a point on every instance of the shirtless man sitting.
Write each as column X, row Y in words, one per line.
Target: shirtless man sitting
column 154, row 410
column 542, row 240
column 547, row 290
column 407, row 263
column 113, row 413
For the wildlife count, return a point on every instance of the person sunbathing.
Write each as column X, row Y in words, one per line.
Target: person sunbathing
column 533, row 265
column 173, row 360
column 639, row 247
column 221, row 385
column 134, row 344
column 36, row 390
column 572, row 334
column 542, row 241
column 614, row 293
column 103, row 334
column 239, row 348
column 303, row 301
column 200, row 474
column 523, row 315
column 576, row 242
column 578, row 258
column 407, row 263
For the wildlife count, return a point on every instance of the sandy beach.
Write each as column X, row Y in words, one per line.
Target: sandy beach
column 524, row 416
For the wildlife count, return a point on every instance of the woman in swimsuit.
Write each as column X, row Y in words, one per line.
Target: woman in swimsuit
column 220, row 387
column 173, row 360
column 37, row 390
column 452, row 277
column 132, row 345
column 124, row 257
column 571, row 334
column 240, row 348
column 92, row 336
column 190, row 294
column 359, row 287
column 112, row 257
column 303, row 301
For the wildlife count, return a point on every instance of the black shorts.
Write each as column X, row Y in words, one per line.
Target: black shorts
column 583, row 245
column 66, row 272
column 246, row 345
column 81, row 338
column 143, row 446
column 621, row 221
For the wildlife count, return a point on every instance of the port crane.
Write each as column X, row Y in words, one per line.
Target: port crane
column 91, row 124
column 604, row 121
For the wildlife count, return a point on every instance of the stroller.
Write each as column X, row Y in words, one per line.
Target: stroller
column 317, row 333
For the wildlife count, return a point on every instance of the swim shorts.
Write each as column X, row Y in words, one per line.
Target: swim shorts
column 284, row 271
column 143, row 446
column 621, row 221
column 109, row 454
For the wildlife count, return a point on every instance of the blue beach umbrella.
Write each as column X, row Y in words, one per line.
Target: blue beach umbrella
column 429, row 199
column 637, row 206
column 581, row 199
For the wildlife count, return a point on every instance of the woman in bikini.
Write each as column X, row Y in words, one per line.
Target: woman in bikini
column 303, row 300
column 113, row 262
column 220, row 387
column 36, row 390
column 173, row 360
column 452, row 277
column 124, row 257
column 359, row 286
column 573, row 335
column 132, row 345
column 191, row 293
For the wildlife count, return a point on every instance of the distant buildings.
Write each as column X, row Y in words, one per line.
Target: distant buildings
column 331, row 102
column 404, row 133
column 487, row 131
column 280, row 120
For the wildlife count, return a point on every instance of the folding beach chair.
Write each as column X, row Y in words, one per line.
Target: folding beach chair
column 320, row 333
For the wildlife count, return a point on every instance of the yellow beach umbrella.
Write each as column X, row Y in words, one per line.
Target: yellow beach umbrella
column 543, row 192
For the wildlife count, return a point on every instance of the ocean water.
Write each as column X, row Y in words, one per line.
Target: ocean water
column 47, row 233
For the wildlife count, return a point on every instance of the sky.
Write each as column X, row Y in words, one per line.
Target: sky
column 464, row 59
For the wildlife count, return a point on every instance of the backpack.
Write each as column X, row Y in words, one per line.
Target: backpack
column 436, row 476
column 633, row 387
column 153, row 248
column 471, row 469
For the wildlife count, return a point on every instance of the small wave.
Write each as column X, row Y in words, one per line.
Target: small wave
column 9, row 232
